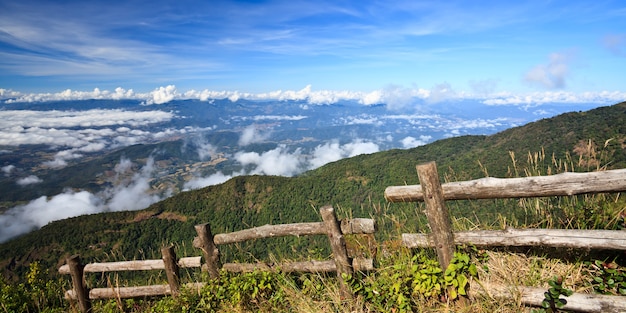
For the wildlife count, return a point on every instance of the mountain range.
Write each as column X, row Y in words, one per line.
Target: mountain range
column 338, row 163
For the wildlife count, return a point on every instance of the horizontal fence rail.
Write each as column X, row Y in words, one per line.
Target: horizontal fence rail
column 564, row 184
column 348, row 227
column 139, row 265
column 559, row 238
column 579, row 302
column 130, row 292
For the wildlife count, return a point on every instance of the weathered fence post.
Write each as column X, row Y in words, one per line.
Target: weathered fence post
column 171, row 269
column 78, row 280
column 338, row 246
column 437, row 213
column 211, row 254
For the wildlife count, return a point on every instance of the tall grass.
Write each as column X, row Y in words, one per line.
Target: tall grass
column 391, row 286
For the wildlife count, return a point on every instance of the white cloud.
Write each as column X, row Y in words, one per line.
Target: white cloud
column 399, row 98
column 206, row 151
column 61, row 158
column 56, row 163
column 412, row 142
column 252, row 134
column 333, row 151
column 14, row 120
column 211, row 180
column 86, row 131
column 551, row 75
column 8, row 94
column 277, row 117
column 124, row 166
column 277, row 161
column 326, row 153
column 282, row 162
column 133, row 194
column 538, row 98
column 442, row 92
column 41, row 211
column 136, row 194
column 395, row 97
column 163, row 95
column 69, row 95
column 29, row 180
column 8, row 169
column 359, row 147
column 362, row 120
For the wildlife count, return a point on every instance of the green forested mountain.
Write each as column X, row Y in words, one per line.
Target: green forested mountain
column 354, row 186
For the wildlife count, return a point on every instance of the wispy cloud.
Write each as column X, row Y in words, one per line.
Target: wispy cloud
column 252, row 134
column 8, row 169
column 616, row 44
column 284, row 161
column 81, row 131
column 133, row 194
column 539, row 98
column 412, row 142
column 551, row 75
column 29, row 180
column 234, row 45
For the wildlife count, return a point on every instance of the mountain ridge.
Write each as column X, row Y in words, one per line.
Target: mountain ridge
column 354, row 186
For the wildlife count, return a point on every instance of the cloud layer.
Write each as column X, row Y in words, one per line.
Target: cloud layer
column 551, row 75
column 131, row 194
column 74, row 133
column 282, row 161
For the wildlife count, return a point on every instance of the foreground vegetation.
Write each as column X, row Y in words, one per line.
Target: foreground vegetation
column 404, row 280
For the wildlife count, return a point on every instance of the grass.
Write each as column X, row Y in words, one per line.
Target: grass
column 389, row 287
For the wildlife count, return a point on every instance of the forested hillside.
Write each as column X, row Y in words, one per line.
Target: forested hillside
column 354, row 186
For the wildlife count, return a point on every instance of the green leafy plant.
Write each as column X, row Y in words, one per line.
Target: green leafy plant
column 418, row 278
column 38, row 293
column 607, row 277
column 456, row 276
column 552, row 301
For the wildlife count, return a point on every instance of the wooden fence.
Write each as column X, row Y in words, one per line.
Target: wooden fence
column 207, row 242
column 434, row 195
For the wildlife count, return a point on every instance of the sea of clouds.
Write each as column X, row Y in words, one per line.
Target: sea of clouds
column 395, row 97
column 73, row 133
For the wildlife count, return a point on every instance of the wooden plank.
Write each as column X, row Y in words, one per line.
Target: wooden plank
column 533, row 296
column 314, row 266
column 269, row 231
column 348, row 226
column 564, row 184
column 131, row 292
column 564, row 238
column 437, row 213
column 358, row 226
column 137, row 265
column 245, row 267
column 209, row 249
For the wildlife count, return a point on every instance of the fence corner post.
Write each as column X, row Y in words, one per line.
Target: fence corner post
column 171, row 269
column 338, row 246
column 211, row 254
column 78, row 282
column 437, row 213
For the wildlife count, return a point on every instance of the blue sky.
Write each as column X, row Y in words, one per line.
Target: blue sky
column 486, row 49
